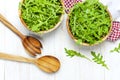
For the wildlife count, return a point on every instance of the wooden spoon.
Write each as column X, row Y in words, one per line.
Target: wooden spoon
column 46, row 63
column 31, row 44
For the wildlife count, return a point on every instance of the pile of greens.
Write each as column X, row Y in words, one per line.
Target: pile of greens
column 41, row 15
column 89, row 21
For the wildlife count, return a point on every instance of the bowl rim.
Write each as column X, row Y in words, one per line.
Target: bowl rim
column 87, row 44
column 45, row 31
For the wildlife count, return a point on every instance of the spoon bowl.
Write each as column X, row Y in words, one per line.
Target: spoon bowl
column 48, row 63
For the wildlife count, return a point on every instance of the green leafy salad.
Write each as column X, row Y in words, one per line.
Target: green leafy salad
column 89, row 21
column 41, row 15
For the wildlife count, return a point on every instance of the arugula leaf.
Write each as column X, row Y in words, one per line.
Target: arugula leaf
column 73, row 53
column 89, row 21
column 91, row 2
column 41, row 15
column 79, row 41
column 99, row 59
column 116, row 49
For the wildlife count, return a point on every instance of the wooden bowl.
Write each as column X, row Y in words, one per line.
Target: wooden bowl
column 86, row 44
column 45, row 31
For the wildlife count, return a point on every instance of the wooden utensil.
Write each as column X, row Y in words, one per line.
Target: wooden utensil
column 31, row 44
column 46, row 63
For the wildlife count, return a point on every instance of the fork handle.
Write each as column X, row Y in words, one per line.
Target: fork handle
column 10, row 26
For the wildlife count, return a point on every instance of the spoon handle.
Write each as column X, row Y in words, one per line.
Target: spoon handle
column 10, row 26
column 15, row 58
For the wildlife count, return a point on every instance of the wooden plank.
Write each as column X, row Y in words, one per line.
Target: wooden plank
column 112, row 59
column 2, row 48
column 53, row 44
column 13, row 45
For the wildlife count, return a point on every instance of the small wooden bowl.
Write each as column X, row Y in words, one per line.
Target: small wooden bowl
column 86, row 44
column 45, row 31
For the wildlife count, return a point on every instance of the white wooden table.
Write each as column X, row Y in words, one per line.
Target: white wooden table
column 54, row 44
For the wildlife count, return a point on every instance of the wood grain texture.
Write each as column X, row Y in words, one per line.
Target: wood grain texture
column 31, row 44
column 54, row 44
column 49, row 64
column 10, row 26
